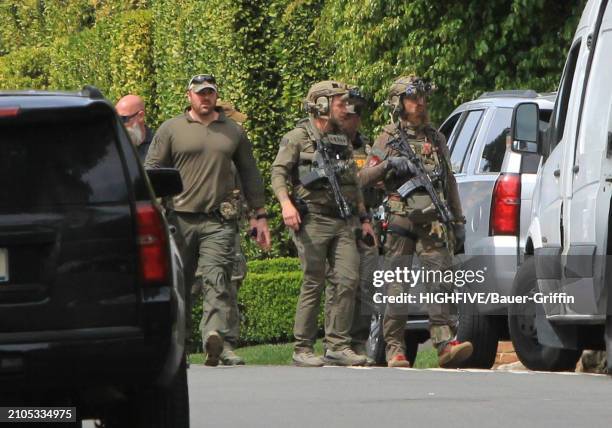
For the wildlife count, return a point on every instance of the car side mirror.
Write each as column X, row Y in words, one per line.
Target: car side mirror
column 525, row 128
column 165, row 181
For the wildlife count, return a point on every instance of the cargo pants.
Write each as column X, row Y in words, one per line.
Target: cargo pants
column 208, row 248
column 321, row 240
column 364, row 304
column 434, row 256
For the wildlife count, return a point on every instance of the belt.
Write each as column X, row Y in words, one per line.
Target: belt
column 402, row 231
column 324, row 210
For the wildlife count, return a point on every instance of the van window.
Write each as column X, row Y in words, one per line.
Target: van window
column 493, row 151
column 464, row 138
column 447, row 128
column 560, row 111
column 60, row 163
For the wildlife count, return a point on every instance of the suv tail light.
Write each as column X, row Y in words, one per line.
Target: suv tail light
column 506, row 205
column 152, row 244
column 9, row 111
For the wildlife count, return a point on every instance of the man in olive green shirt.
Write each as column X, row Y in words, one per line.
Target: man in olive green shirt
column 202, row 143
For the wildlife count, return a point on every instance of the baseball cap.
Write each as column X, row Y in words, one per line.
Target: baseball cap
column 200, row 82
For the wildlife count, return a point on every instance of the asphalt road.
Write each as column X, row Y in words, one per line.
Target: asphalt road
column 336, row 397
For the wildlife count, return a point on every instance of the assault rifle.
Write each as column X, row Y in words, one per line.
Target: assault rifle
column 326, row 170
column 420, row 178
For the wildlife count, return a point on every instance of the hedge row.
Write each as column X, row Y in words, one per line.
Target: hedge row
column 266, row 53
column 267, row 301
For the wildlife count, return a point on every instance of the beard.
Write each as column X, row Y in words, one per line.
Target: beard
column 135, row 134
column 418, row 117
column 336, row 124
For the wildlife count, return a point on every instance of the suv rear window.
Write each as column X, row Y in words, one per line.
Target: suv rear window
column 468, row 129
column 60, row 163
column 495, row 147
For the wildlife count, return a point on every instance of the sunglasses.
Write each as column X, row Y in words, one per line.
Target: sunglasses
column 126, row 119
column 201, row 78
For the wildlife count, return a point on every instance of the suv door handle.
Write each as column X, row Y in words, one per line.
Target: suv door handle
column 575, row 169
column 557, row 172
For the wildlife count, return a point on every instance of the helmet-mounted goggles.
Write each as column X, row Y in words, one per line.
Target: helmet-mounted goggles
column 419, row 87
column 355, row 101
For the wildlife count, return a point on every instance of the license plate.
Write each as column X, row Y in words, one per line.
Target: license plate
column 4, row 267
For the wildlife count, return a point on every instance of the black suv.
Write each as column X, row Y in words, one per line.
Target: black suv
column 91, row 289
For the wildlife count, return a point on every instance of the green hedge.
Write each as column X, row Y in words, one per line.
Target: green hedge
column 266, row 53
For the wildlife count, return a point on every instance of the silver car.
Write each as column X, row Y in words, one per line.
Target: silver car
column 495, row 188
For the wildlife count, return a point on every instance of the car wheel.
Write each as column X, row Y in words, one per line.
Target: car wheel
column 483, row 332
column 158, row 407
column 523, row 330
column 411, row 340
column 376, row 342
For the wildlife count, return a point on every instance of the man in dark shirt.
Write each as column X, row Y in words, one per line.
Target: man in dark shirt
column 202, row 143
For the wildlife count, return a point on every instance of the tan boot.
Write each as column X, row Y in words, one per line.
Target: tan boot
column 214, row 346
column 398, row 360
column 360, row 349
column 307, row 359
column 230, row 358
column 344, row 357
column 454, row 353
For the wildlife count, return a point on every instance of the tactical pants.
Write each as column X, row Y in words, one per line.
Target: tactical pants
column 324, row 239
column 208, row 247
column 434, row 256
column 239, row 271
column 364, row 304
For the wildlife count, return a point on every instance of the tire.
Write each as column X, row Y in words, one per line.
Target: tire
column 483, row 332
column 376, row 343
column 523, row 332
column 156, row 407
column 411, row 340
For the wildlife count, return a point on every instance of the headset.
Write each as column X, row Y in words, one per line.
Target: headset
column 319, row 108
column 414, row 88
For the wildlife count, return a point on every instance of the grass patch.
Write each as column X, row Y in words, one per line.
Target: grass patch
column 280, row 355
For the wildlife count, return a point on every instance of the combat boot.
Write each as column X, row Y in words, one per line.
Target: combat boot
column 360, row 349
column 229, row 357
column 307, row 359
column 344, row 357
column 213, row 344
column 453, row 353
column 398, row 360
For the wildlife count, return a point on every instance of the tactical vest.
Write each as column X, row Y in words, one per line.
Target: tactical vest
column 418, row 206
column 319, row 193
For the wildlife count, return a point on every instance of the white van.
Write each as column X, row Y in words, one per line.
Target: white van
column 571, row 216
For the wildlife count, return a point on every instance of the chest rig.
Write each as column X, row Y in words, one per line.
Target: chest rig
column 310, row 163
column 418, row 206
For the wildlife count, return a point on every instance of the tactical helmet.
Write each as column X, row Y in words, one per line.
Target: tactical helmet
column 319, row 96
column 407, row 86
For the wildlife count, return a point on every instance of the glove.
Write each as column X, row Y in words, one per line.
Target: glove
column 399, row 165
column 459, row 231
